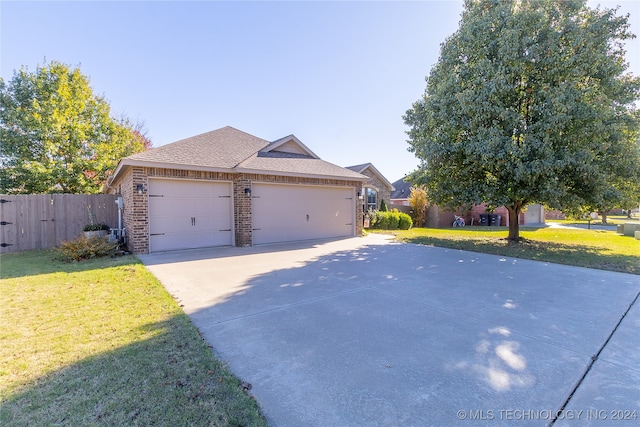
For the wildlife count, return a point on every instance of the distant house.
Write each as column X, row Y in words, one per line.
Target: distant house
column 376, row 188
column 400, row 196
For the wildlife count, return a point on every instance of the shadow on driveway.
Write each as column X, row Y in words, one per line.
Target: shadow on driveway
column 365, row 331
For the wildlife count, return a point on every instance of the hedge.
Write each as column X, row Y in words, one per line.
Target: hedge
column 390, row 220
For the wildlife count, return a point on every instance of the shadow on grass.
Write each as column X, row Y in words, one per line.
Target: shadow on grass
column 168, row 378
column 575, row 254
column 30, row 263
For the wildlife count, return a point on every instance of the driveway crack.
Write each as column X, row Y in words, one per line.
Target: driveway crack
column 594, row 358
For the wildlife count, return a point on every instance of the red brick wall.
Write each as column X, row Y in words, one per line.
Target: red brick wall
column 440, row 218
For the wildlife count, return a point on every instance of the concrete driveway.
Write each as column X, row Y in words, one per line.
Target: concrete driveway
column 367, row 332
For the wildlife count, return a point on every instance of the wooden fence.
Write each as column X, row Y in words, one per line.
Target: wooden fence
column 41, row 221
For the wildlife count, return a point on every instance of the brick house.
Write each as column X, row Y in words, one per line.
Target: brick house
column 376, row 188
column 227, row 187
column 437, row 217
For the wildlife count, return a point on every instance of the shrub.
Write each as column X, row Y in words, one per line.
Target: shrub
column 95, row 227
column 85, row 248
column 391, row 220
column 418, row 202
column 394, row 219
column 405, row 222
column 383, row 206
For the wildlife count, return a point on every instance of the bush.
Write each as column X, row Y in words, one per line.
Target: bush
column 95, row 227
column 383, row 206
column 85, row 248
column 391, row 220
column 405, row 222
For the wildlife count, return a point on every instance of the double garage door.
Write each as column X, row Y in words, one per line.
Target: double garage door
column 196, row 214
column 286, row 213
column 189, row 214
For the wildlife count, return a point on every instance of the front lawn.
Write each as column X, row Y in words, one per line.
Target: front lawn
column 102, row 343
column 599, row 249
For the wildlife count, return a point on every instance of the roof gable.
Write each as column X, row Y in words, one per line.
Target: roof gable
column 368, row 169
column 290, row 144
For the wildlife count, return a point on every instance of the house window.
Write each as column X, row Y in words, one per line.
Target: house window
column 372, row 199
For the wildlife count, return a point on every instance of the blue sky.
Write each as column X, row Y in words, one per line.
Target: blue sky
column 338, row 75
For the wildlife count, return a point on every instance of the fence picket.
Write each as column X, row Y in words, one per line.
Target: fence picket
column 42, row 221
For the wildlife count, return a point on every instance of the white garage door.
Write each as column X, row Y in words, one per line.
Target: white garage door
column 285, row 213
column 189, row 214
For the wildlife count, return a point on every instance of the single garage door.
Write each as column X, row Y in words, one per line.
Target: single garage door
column 189, row 214
column 285, row 213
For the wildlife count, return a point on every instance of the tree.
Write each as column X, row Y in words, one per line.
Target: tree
column 528, row 103
column 418, row 202
column 57, row 136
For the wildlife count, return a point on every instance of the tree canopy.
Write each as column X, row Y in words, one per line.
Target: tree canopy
column 529, row 102
column 57, row 135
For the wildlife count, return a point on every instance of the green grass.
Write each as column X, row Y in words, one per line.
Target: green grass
column 599, row 249
column 611, row 220
column 102, row 343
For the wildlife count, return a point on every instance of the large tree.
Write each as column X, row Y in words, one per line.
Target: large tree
column 57, row 135
column 528, row 103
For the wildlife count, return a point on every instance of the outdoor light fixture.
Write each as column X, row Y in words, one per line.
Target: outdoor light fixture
column 359, row 195
column 247, row 191
column 139, row 188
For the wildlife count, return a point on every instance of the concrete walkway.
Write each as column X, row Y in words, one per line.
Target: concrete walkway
column 367, row 332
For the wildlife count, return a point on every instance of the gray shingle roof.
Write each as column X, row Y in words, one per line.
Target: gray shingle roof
column 235, row 151
column 291, row 164
column 222, row 148
column 402, row 189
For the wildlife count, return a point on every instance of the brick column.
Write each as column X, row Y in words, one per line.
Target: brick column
column 359, row 212
column 242, row 211
column 138, row 213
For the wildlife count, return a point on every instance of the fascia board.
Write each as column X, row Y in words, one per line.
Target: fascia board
column 362, row 178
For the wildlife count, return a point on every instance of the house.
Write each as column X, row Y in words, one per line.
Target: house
column 227, row 187
column 400, row 196
column 437, row 217
column 376, row 188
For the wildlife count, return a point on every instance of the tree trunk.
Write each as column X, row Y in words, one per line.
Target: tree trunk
column 604, row 217
column 514, row 221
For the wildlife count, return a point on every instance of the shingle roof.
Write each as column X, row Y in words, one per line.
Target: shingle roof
column 403, row 189
column 361, row 168
column 291, row 164
column 232, row 150
column 221, row 148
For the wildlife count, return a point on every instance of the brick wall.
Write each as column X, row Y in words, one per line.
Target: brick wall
column 242, row 211
column 441, row 218
column 377, row 184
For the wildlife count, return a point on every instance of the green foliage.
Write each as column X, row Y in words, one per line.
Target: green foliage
column 418, row 202
column 95, row 227
column 404, row 221
column 390, row 220
column 57, row 135
column 85, row 248
column 528, row 103
column 383, row 206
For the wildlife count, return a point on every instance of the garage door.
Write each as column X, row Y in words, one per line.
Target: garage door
column 285, row 213
column 189, row 214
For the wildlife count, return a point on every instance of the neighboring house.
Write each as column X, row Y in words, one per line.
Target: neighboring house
column 376, row 188
column 437, row 217
column 227, row 187
column 400, row 196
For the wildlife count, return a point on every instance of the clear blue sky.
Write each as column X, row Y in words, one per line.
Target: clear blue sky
column 338, row 75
